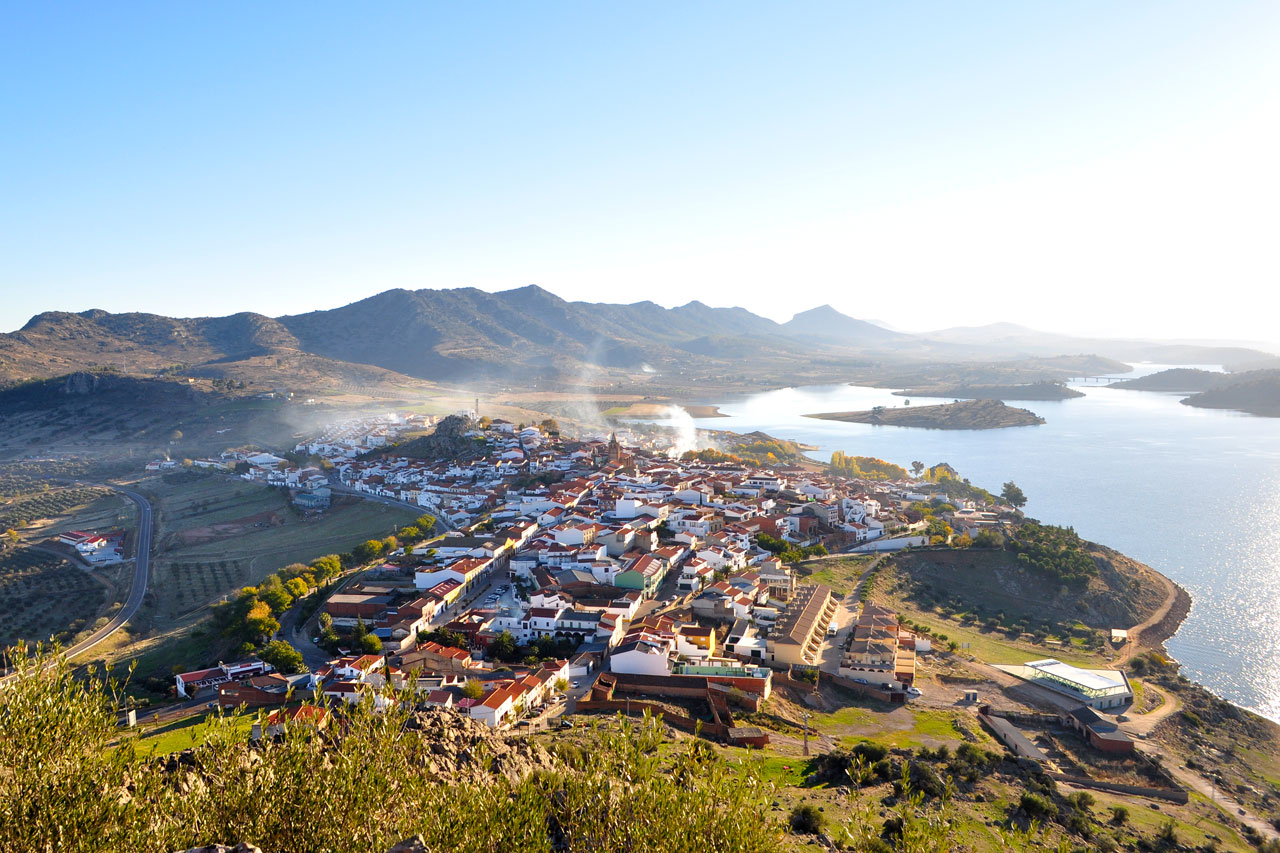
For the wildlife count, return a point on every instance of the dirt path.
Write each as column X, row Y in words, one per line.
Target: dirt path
column 1143, row 724
column 818, row 742
column 1134, row 644
column 1195, row 782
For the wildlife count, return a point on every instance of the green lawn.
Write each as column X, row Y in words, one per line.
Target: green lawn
column 191, row 731
column 923, row 728
column 778, row 769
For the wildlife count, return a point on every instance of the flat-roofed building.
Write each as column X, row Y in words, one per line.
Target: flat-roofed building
column 1096, row 688
column 881, row 650
column 797, row 636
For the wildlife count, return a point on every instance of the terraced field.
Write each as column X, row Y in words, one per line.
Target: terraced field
column 217, row 533
column 42, row 596
column 20, row 511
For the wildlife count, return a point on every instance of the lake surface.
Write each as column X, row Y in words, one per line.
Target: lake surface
column 1194, row 493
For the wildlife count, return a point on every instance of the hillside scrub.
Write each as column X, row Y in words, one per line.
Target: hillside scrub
column 866, row 467
column 70, row 781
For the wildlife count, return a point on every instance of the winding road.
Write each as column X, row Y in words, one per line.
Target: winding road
column 137, row 590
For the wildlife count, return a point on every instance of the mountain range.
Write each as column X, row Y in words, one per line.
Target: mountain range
column 468, row 335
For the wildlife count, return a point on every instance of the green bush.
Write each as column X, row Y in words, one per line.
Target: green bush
column 1079, row 824
column 806, row 819
column 1037, row 806
column 73, row 782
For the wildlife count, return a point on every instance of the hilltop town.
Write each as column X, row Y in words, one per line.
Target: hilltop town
column 539, row 585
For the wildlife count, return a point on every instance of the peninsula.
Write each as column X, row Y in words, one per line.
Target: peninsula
column 966, row 414
column 1187, row 380
column 1255, row 392
column 1022, row 391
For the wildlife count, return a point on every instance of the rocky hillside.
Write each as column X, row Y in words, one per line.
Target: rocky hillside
column 449, row 440
column 1124, row 592
column 526, row 334
column 354, row 782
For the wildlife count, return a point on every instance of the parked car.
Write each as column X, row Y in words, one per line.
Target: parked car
column 574, row 684
column 859, row 681
column 914, row 691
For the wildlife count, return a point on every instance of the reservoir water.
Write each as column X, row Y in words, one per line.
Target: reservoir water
column 1194, row 493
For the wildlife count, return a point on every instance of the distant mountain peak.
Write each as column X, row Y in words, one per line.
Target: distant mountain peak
column 825, row 322
column 822, row 311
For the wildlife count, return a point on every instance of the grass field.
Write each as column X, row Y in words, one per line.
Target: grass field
column 994, row 646
column 841, row 574
column 779, row 769
column 191, row 731
column 218, row 533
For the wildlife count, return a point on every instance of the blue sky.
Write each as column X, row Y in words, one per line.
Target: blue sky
column 1093, row 167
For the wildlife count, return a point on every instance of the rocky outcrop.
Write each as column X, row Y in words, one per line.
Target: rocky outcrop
column 462, row 747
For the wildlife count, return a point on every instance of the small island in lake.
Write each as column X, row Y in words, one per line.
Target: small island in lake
column 1022, row 391
column 966, row 414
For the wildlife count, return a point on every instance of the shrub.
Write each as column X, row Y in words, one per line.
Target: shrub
column 1082, row 800
column 870, row 752
column 1079, row 824
column 1037, row 806
column 75, row 782
column 806, row 819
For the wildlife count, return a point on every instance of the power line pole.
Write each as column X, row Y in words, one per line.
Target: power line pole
column 806, row 732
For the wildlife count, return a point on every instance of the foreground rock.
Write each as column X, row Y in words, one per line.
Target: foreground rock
column 462, row 747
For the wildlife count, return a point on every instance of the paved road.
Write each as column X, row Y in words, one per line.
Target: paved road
column 141, row 573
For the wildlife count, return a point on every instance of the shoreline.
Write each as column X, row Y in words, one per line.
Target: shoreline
column 1155, row 636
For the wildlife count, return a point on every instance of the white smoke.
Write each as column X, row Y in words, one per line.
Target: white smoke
column 686, row 433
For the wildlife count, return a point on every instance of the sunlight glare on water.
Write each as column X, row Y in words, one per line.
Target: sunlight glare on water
column 1195, row 493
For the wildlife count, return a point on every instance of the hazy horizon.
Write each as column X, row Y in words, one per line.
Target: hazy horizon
column 1086, row 171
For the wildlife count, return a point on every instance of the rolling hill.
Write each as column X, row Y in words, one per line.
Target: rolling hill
column 528, row 334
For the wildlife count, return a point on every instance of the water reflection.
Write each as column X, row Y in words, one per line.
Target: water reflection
column 1193, row 492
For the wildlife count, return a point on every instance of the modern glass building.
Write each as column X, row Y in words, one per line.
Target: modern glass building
column 1096, row 689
